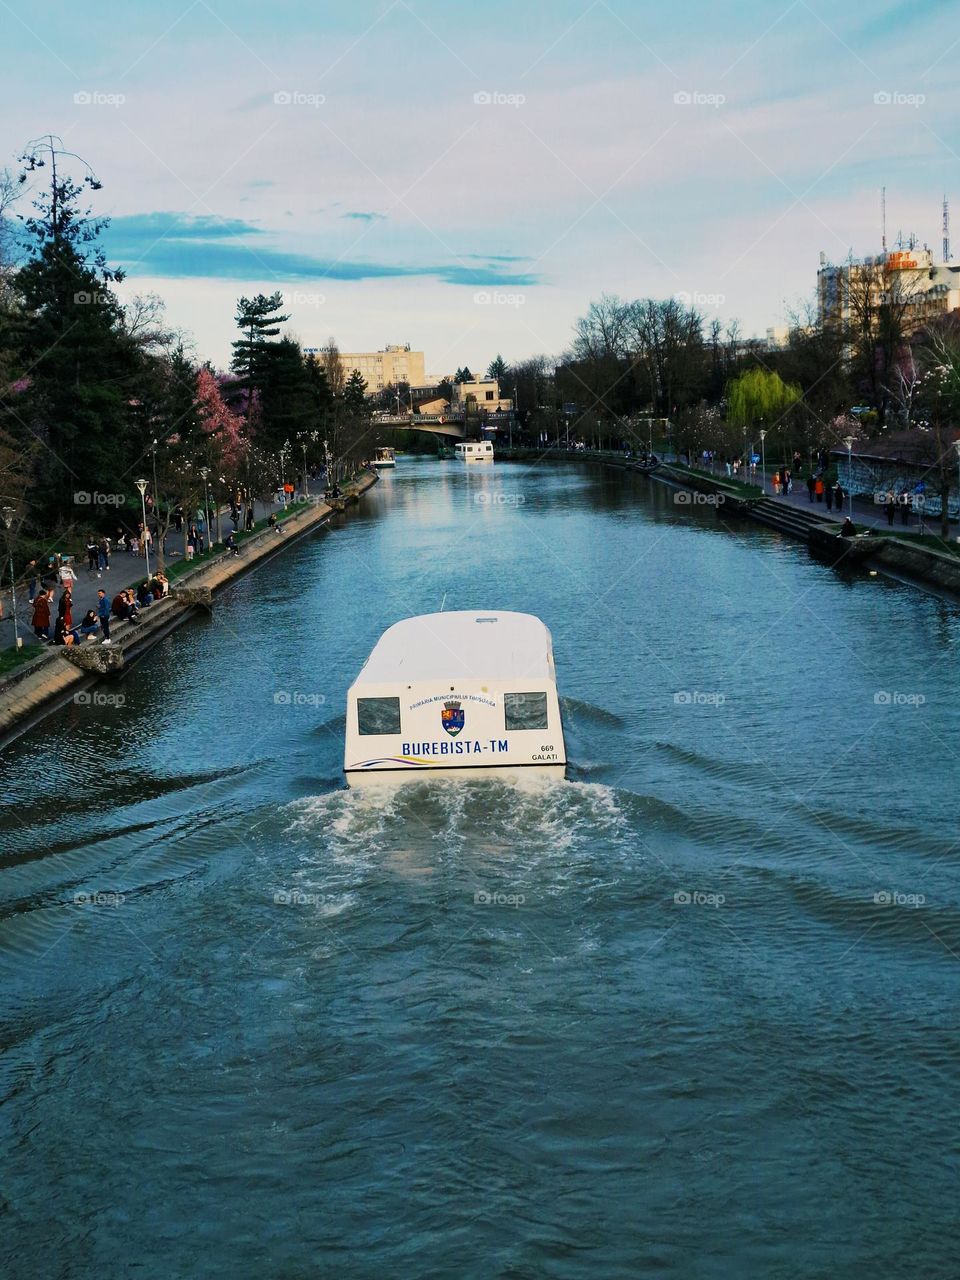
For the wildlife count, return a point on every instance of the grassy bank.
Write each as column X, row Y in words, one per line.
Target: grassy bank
column 12, row 658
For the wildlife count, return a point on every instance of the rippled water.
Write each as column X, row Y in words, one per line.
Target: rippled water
column 692, row 1013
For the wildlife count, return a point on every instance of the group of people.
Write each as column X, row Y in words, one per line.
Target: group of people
column 820, row 490
column 907, row 500
column 126, row 604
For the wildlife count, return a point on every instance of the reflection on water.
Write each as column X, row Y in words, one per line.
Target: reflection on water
column 689, row 1013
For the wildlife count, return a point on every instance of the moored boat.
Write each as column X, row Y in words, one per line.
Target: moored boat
column 474, row 451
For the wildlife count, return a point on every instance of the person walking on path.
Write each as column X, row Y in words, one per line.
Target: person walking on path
column 904, row 508
column 838, row 496
column 91, row 554
column 819, row 486
column 103, row 554
column 103, row 613
column 41, row 614
column 891, row 507
column 829, row 497
column 811, row 485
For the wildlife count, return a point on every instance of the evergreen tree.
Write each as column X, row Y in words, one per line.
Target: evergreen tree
column 82, row 371
column 259, row 321
column 497, row 368
column 355, row 393
column 289, row 391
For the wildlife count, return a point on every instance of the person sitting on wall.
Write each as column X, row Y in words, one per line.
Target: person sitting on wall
column 60, row 633
column 848, row 529
column 87, row 627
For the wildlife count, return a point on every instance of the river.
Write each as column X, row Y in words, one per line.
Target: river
column 691, row 1013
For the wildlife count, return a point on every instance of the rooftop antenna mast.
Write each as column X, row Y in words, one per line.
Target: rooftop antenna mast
column 946, row 228
column 883, row 218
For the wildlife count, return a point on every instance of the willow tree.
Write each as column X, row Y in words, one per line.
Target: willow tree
column 760, row 396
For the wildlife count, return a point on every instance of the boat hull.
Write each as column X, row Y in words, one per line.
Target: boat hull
column 368, row 779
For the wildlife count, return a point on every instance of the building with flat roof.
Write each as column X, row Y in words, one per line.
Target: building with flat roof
column 486, row 393
column 905, row 276
column 381, row 369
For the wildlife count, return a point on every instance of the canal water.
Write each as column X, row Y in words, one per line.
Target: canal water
column 691, row 1013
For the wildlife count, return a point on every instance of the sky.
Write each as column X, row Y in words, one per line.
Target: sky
column 466, row 178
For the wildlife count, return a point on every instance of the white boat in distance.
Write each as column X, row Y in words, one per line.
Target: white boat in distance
column 467, row 693
column 474, row 451
column 385, row 457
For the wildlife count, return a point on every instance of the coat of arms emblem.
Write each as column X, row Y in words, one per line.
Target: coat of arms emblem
column 452, row 717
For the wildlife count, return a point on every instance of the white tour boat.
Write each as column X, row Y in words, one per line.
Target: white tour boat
column 472, row 694
column 474, row 451
column 385, row 458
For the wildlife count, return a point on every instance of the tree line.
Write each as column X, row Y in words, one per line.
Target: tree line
column 97, row 392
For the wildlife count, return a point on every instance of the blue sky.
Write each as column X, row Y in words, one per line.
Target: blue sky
column 467, row 178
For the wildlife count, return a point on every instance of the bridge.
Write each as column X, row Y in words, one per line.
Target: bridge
column 432, row 424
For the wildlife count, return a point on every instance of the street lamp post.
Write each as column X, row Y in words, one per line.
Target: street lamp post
column 142, row 486
column 848, row 441
column 8, row 517
column 284, row 454
column 763, row 461
column 204, row 472
column 156, row 507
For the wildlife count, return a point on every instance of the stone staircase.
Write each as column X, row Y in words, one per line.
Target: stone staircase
column 792, row 520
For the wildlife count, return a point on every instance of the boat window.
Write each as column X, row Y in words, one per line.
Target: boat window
column 525, row 710
column 378, row 716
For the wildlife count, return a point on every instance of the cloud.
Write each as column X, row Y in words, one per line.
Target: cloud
column 359, row 215
column 497, row 257
column 176, row 246
column 144, row 227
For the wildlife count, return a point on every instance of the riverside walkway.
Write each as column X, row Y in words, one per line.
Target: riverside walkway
column 125, row 570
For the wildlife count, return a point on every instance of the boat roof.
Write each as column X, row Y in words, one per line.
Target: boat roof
column 467, row 645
